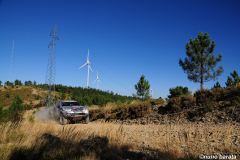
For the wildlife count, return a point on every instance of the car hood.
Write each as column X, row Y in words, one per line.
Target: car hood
column 75, row 108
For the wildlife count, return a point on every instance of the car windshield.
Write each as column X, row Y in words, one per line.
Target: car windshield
column 70, row 104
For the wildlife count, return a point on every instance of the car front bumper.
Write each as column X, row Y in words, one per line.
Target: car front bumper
column 75, row 116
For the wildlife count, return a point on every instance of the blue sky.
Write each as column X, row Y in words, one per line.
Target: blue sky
column 125, row 38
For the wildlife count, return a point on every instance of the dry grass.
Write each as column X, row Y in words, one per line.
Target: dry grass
column 24, row 92
column 113, row 105
column 168, row 141
column 27, row 93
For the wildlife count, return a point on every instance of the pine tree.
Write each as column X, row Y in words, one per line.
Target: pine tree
column 143, row 87
column 16, row 82
column 217, row 85
column 201, row 60
column 233, row 81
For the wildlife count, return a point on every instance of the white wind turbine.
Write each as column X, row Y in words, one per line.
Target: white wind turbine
column 97, row 80
column 88, row 63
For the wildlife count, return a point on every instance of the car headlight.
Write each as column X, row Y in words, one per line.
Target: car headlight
column 86, row 111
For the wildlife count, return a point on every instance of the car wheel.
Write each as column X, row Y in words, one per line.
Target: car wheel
column 63, row 120
column 87, row 120
column 73, row 122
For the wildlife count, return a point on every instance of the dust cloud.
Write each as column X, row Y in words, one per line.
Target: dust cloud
column 43, row 115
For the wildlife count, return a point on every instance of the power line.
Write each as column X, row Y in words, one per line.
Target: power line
column 24, row 18
column 24, row 32
column 23, row 46
column 23, row 35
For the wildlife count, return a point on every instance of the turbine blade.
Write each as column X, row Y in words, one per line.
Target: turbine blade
column 94, row 81
column 88, row 56
column 99, row 81
column 90, row 68
column 83, row 65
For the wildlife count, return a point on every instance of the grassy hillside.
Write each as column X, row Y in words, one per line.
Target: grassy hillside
column 30, row 95
column 33, row 139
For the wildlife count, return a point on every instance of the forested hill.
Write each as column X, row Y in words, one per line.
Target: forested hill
column 89, row 96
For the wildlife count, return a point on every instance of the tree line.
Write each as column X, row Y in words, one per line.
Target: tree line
column 18, row 83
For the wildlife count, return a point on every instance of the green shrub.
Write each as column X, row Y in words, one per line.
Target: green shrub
column 129, row 101
column 178, row 91
column 16, row 109
column 157, row 101
column 153, row 103
column 37, row 97
column 7, row 95
column 31, row 119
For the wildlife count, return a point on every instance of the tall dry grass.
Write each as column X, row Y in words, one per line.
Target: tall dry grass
column 50, row 140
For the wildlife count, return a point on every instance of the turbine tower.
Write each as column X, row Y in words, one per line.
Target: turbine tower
column 97, row 80
column 88, row 63
column 152, row 93
column 51, row 70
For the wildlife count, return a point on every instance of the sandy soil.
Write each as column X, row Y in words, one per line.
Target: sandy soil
column 34, row 91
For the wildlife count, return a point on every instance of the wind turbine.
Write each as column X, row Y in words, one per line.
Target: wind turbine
column 97, row 80
column 88, row 63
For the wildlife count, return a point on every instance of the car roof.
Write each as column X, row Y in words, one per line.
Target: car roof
column 68, row 101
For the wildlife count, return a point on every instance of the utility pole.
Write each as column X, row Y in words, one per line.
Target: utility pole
column 51, row 71
column 11, row 64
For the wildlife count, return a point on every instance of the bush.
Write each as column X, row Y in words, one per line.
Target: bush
column 174, row 104
column 157, row 101
column 203, row 95
column 37, row 97
column 178, row 91
column 31, row 119
column 122, row 111
column 7, row 95
column 15, row 112
column 178, row 103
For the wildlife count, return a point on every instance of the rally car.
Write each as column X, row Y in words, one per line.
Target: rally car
column 69, row 110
